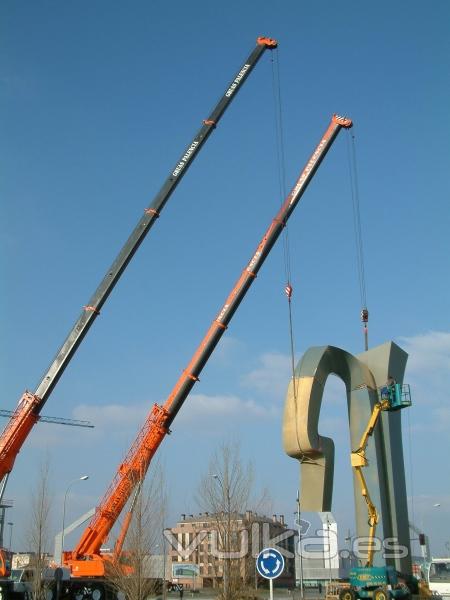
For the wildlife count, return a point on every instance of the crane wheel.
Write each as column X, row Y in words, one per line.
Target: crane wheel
column 97, row 592
column 381, row 594
column 88, row 592
column 347, row 594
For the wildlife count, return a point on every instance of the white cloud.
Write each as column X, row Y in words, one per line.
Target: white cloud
column 428, row 373
column 46, row 435
column 229, row 349
column 272, row 375
column 112, row 415
column 107, row 419
column 205, row 407
column 429, row 353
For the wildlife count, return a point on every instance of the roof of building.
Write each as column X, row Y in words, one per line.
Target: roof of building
column 247, row 517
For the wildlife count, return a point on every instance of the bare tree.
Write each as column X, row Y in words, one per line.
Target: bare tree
column 225, row 491
column 135, row 575
column 38, row 532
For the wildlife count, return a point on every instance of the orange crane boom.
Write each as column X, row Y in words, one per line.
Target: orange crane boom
column 30, row 405
column 85, row 559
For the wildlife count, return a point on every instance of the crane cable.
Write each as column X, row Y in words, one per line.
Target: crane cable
column 281, row 169
column 351, row 153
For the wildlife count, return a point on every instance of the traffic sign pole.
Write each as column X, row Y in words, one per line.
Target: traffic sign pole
column 271, row 588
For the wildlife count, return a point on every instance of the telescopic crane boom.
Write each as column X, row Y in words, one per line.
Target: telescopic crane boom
column 85, row 559
column 31, row 404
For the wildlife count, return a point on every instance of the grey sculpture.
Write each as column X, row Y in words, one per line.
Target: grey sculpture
column 385, row 475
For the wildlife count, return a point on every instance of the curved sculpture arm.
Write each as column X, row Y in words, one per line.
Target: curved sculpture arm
column 301, row 438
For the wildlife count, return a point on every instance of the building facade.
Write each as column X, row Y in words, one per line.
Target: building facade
column 206, row 550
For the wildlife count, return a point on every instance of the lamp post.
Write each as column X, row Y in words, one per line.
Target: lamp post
column 435, row 505
column 300, row 549
column 226, row 574
column 424, row 539
column 83, row 478
column 329, row 548
column 10, row 534
column 350, row 539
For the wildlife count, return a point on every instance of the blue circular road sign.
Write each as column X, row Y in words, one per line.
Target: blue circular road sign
column 270, row 563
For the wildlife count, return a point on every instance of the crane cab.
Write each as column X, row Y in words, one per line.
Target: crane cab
column 5, row 562
column 398, row 395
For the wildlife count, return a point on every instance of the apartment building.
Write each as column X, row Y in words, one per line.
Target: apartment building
column 207, row 548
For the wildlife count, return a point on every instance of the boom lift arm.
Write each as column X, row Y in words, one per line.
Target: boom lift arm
column 85, row 559
column 31, row 404
column 393, row 397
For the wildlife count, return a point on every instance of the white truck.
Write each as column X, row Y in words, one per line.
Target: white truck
column 438, row 577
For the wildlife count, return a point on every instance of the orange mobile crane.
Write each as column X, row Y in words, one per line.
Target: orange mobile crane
column 31, row 404
column 86, row 562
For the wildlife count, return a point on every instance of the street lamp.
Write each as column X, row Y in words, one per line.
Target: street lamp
column 83, row 478
column 10, row 534
column 435, row 505
column 329, row 548
column 300, row 549
column 349, row 538
column 226, row 574
column 424, row 542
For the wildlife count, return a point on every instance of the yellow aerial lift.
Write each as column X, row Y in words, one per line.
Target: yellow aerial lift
column 379, row 583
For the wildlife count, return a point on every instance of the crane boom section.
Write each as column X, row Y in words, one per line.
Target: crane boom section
column 126, row 523
column 17, row 430
column 219, row 325
column 158, row 421
column 24, row 417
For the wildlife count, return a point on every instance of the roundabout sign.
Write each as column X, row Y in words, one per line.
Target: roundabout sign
column 270, row 565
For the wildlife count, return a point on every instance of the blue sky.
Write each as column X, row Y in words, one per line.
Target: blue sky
column 98, row 102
